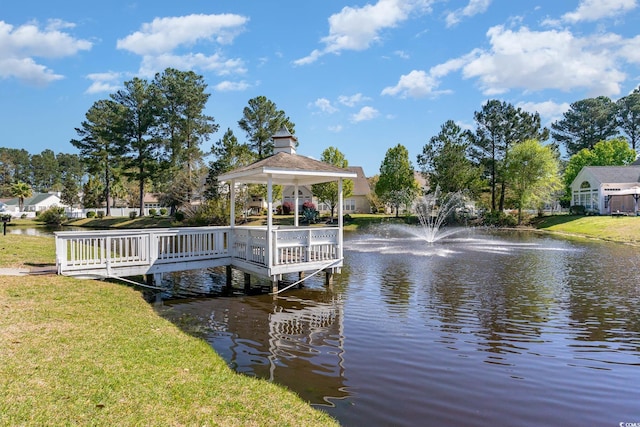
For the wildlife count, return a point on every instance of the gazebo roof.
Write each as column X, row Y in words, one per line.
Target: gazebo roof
column 287, row 169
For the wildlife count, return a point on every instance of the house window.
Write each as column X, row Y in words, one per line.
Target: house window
column 349, row 205
column 585, row 184
column 323, row 207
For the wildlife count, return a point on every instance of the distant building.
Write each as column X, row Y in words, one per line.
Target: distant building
column 37, row 203
column 357, row 202
column 607, row 189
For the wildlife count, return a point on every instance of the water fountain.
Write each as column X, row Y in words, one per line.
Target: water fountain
column 433, row 209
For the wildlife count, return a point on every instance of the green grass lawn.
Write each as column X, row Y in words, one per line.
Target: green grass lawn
column 86, row 352
column 22, row 251
column 624, row 229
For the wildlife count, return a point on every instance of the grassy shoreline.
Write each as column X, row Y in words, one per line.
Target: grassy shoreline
column 86, row 352
column 624, row 229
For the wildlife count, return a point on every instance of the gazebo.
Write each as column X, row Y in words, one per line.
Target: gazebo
column 632, row 191
column 287, row 249
column 267, row 251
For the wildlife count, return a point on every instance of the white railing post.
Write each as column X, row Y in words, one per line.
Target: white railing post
column 276, row 252
column 152, row 247
column 247, row 249
column 61, row 254
column 268, row 245
column 340, row 220
column 106, row 254
column 307, row 247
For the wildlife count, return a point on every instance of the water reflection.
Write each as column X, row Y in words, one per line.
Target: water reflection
column 40, row 230
column 275, row 339
column 482, row 328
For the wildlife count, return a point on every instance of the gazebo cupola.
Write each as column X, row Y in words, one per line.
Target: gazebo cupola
column 284, row 141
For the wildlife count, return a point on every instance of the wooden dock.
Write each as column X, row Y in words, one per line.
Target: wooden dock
column 152, row 252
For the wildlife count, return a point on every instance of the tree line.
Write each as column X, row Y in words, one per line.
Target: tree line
column 147, row 138
column 510, row 159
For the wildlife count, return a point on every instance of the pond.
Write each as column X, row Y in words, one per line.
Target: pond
column 480, row 328
column 40, row 230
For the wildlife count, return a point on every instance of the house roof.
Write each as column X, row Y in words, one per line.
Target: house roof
column 613, row 174
column 287, row 169
column 360, row 183
column 31, row 201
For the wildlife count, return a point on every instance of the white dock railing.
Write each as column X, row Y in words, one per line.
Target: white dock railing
column 107, row 253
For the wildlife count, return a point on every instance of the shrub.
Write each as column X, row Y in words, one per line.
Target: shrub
column 577, row 210
column 100, row 214
column 287, row 208
column 500, row 219
column 23, row 216
column 91, row 214
column 55, row 215
column 163, row 211
column 133, row 214
column 179, row 216
column 152, row 212
column 211, row 212
column 309, row 212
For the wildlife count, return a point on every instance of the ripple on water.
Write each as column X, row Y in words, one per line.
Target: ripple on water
column 479, row 329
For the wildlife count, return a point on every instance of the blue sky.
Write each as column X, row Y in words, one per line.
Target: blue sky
column 360, row 76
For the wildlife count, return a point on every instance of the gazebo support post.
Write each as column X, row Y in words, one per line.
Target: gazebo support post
column 232, row 202
column 295, row 203
column 229, row 276
column 340, row 220
column 247, row 282
column 268, row 245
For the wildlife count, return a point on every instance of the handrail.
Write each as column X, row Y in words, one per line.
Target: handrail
column 331, row 264
column 147, row 251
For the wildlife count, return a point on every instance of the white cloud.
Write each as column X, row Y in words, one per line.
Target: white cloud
column 549, row 111
column 103, row 82
column 534, row 61
column 593, row 10
column 416, row 84
column 158, row 41
column 473, row 8
column 365, row 113
column 324, row 105
column 166, row 34
column 27, row 70
column 357, row 28
column 335, row 129
column 630, row 50
column 216, row 63
column 228, row 86
column 19, row 46
column 352, row 100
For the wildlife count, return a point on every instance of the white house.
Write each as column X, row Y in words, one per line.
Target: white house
column 36, row 203
column 607, row 189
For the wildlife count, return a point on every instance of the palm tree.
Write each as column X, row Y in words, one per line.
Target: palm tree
column 21, row 190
